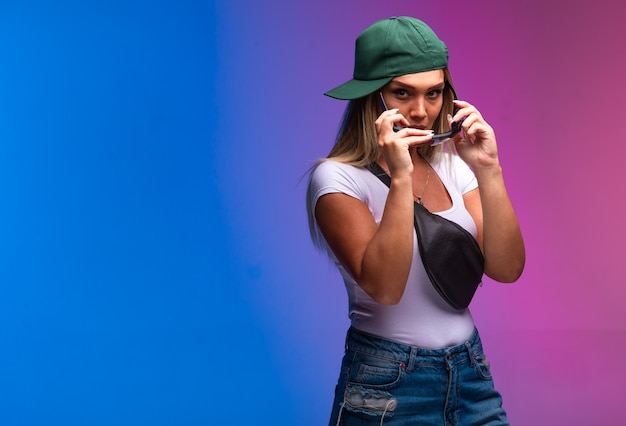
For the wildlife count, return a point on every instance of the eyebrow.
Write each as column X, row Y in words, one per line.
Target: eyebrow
column 440, row 86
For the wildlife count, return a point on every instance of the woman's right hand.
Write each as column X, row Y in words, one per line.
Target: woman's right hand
column 394, row 146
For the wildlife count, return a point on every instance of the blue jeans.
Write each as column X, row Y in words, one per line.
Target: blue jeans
column 387, row 382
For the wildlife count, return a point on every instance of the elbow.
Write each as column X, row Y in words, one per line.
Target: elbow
column 388, row 300
column 508, row 279
column 507, row 274
column 384, row 296
column 386, row 289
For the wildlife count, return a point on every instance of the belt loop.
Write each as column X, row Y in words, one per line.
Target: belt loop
column 470, row 354
column 412, row 357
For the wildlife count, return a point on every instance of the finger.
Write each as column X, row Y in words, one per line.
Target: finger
column 479, row 131
column 405, row 138
column 399, row 121
column 469, row 121
column 423, row 138
column 413, row 131
column 392, row 119
column 384, row 120
column 465, row 109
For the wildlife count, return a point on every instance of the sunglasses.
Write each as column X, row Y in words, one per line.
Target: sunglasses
column 455, row 128
column 440, row 138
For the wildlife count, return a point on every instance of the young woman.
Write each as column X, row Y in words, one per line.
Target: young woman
column 410, row 358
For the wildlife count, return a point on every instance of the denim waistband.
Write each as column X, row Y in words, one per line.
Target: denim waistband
column 380, row 347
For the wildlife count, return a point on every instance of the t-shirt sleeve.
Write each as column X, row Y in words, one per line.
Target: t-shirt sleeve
column 465, row 178
column 333, row 177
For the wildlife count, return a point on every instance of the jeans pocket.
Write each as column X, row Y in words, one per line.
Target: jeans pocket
column 377, row 376
column 376, row 373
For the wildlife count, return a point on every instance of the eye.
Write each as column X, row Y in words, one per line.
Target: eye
column 434, row 94
column 400, row 93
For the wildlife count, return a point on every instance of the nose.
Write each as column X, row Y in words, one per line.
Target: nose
column 418, row 110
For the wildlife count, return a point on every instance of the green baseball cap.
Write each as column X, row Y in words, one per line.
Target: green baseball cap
column 389, row 48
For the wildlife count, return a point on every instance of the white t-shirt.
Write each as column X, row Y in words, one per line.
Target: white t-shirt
column 421, row 318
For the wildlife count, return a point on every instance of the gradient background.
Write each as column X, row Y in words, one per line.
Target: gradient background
column 155, row 265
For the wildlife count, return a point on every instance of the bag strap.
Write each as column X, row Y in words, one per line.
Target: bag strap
column 418, row 209
column 386, row 179
column 379, row 173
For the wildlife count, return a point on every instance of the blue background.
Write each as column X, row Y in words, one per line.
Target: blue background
column 155, row 264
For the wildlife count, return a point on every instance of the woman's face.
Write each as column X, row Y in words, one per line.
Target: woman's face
column 419, row 97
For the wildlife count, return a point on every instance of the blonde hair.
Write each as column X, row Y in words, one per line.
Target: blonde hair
column 357, row 139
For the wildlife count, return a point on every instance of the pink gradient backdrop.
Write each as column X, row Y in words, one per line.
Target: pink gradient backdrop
column 548, row 75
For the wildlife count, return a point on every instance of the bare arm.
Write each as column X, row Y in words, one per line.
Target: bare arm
column 498, row 229
column 499, row 234
column 377, row 257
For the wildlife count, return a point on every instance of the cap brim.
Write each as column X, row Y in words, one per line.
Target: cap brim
column 355, row 89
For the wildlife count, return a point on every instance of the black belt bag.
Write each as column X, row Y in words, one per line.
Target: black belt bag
column 451, row 256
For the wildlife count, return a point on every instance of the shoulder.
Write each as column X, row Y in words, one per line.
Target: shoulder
column 455, row 171
column 334, row 173
column 330, row 167
column 331, row 176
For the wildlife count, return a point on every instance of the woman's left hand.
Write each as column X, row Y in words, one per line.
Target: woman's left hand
column 476, row 145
